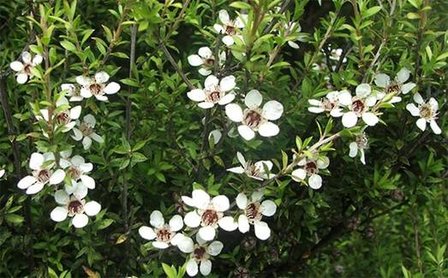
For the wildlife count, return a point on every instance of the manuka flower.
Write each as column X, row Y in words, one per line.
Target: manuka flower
column 214, row 92
column 329, row 104
column 23, row 68
column 72, row 91
column 255, row 119
column 359, row 106
column 396, row 86
column 253, row 211
column 200, row 257
column 42, row 173
column 427, row 111
column 228, row 27
column 208, row 213
column 359, row 145
column 97, row 87
column 309, row 167
column 63, row 115
column 77, row 169
column 206, row 60
column 84, row 131
column 73, row 207
column 259, row 170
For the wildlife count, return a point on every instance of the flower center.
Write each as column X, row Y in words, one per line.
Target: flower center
column 75, row 207
column 209, row 62
column 252, row 118
column 63, row 118
column 328, row 105
column 311, row 167
column 210, row 217
column 362, row 141
column 43, row 176
column 426, row 111
column 164, row 234
column 230, row 30
column 199, row 253
column 86, row 129
column 74, row 172
column 393, row 88
column 358, row 106
column 95, row 88
column 253, row 212
column 214, row 96
column 27, row 69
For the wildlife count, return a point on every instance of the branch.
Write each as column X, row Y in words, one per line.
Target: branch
column 176, row 67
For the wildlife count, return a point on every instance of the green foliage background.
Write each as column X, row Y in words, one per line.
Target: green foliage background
column 385, row 219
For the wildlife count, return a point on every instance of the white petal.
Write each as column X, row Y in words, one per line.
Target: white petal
column 16, row 66
column 241, row 20
column 92, row 208
column 147, row 233
column 37, row 60
column 316, row 110
column 363, row 157
column 176, row 223
column 298, row 174
column 215, row 248
column 435, row 127
column 206, row 105
column 205, row 267
column 413, row 109
column 228, row 98
column 227, row 83
column 228, row 40
column 58, row 214
column 101, row 98
column 224, row 16
column 434, row 104
column 336, row 112
column 188, row 201
column 382, row 80
column 80, row 220
column 218, row 28
column 403, row 75
column 221, row 203
column 345, row 98
column 272, row 110
column 61, row 197
column 75, row 112
column 216, row 135
column 26, row 182
column 211, row 81
column 227, row 223
column 268, row 129
column 184, row 243
column 101, row 77
column 243, row 224
column 293, row 45
column 22, row 78
column 160, row 244
column 195, row 60
column 80, row 191
column 192, row 268
column 268, row 208
column 246, row 132
column 349, row 119
column 323, row 162
column 82, row 80
column 253, row 99
column 201, row 198
column 192, row 219
column 234, row 112
column 36, row 161
column 421, row 123
column 85, row 92
column 262, row 230
column 241, row 159
column 418, row 98
column 88, row 181
column 257, row 195
column 315, row 181
column 207, row 233
column 204, row 72
column 241, row 201
column 205, row 52
column 26, row 57
column 35, row 188
column 97, row 138
column 370, row 118
column 156, row 219
column 363, row 90
column 57, row 177
column 353, row 149
column 2, row 172
column 236, row 170
column 112, row 88
column 87, row 143
column 406, row 88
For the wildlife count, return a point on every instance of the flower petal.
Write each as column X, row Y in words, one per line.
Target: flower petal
column 58, row 214
column 35, row 188
column 206, row 105
column 112, row 88
column 421, row 123
column 228, row 40
column 272, row 110
column 205, row 267
column 36, row 161
column 211, row 81
column 80, row 220
column 57, row 177
column 89, row 182
column 315, row 181
column 26, row 182
column 349, row 119
column 192, row 219
column 205, row 52
column 268, row 208
column 204, row 72
column 16, row 66
column 403, row 75
column 37, row 60
column 370, row 118
column 227, row 83
column 246, row 132
column 353, row 149
column 298, row 174
column 147, row 233
column 363, row 90
column 61, row 197
column 92, row 208
column 215, row 248
column 243, row 224
column 192, row 268
column 224, row 16
column 268, row 129
column 435, row 127
column 221, row 203
column 236, row 170
column 382, row 80
column 215, row 135
column 241, row 201
column 406, row 88
column 207, row 233
column 262, row 230
column 234, row 112
column 176, row 223
column 156, row 219
column 160, row 244
column 228, row 98
column 253, row 99
column 201, row 198
column 418, row 98
column 22, row 78
column 413, row 109
column 345, row 98
column 184, row 243
column 26, row 57
column 227, row 223
column 101, row 77
column 195, row 60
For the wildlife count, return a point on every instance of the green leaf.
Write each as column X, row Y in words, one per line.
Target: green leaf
column 170, row 271
column 14, row 218
column 68, row 45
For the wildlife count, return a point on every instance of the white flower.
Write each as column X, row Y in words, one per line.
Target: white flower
column 72, row 91
column 206, row 60
column 77, row 169
column 329, row 104
column 291, row 32
column 42, row 173
column 253, row 211
column 97, row 87
column 209, row 214
column 253, row 118
column 310, row 168
column 397, row 86
column 2, row 172
column 230, row 27
column 256, row 170
column 63, row 115
column 336, row 54
column 427, row 111
column 359, row 145
column 24, row 69
column 73, row 207
column 215, row 91
column 163, row 235
column 359, row 106
column 200, row 257
column 84, row 131
column 215, row 135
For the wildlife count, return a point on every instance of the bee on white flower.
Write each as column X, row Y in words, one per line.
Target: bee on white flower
column 42, row 173
column 359, row 106
column 23, row 68
column 63, row 115
column 85, row 131
column 427, row 111
column 228, row 27
column 329, row 104
column 309, row 168
column 358, row 146
column 97, row 86
column 72, row 91
column 396, row 86
column 214, row 92
column 259, row 170
column 76, row 208
column 206, row 60
column 208, row 213
column 253, row 211
column 255, row 119
column 200, row 256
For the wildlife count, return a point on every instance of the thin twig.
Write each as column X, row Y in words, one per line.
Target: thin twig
column 175, row 66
